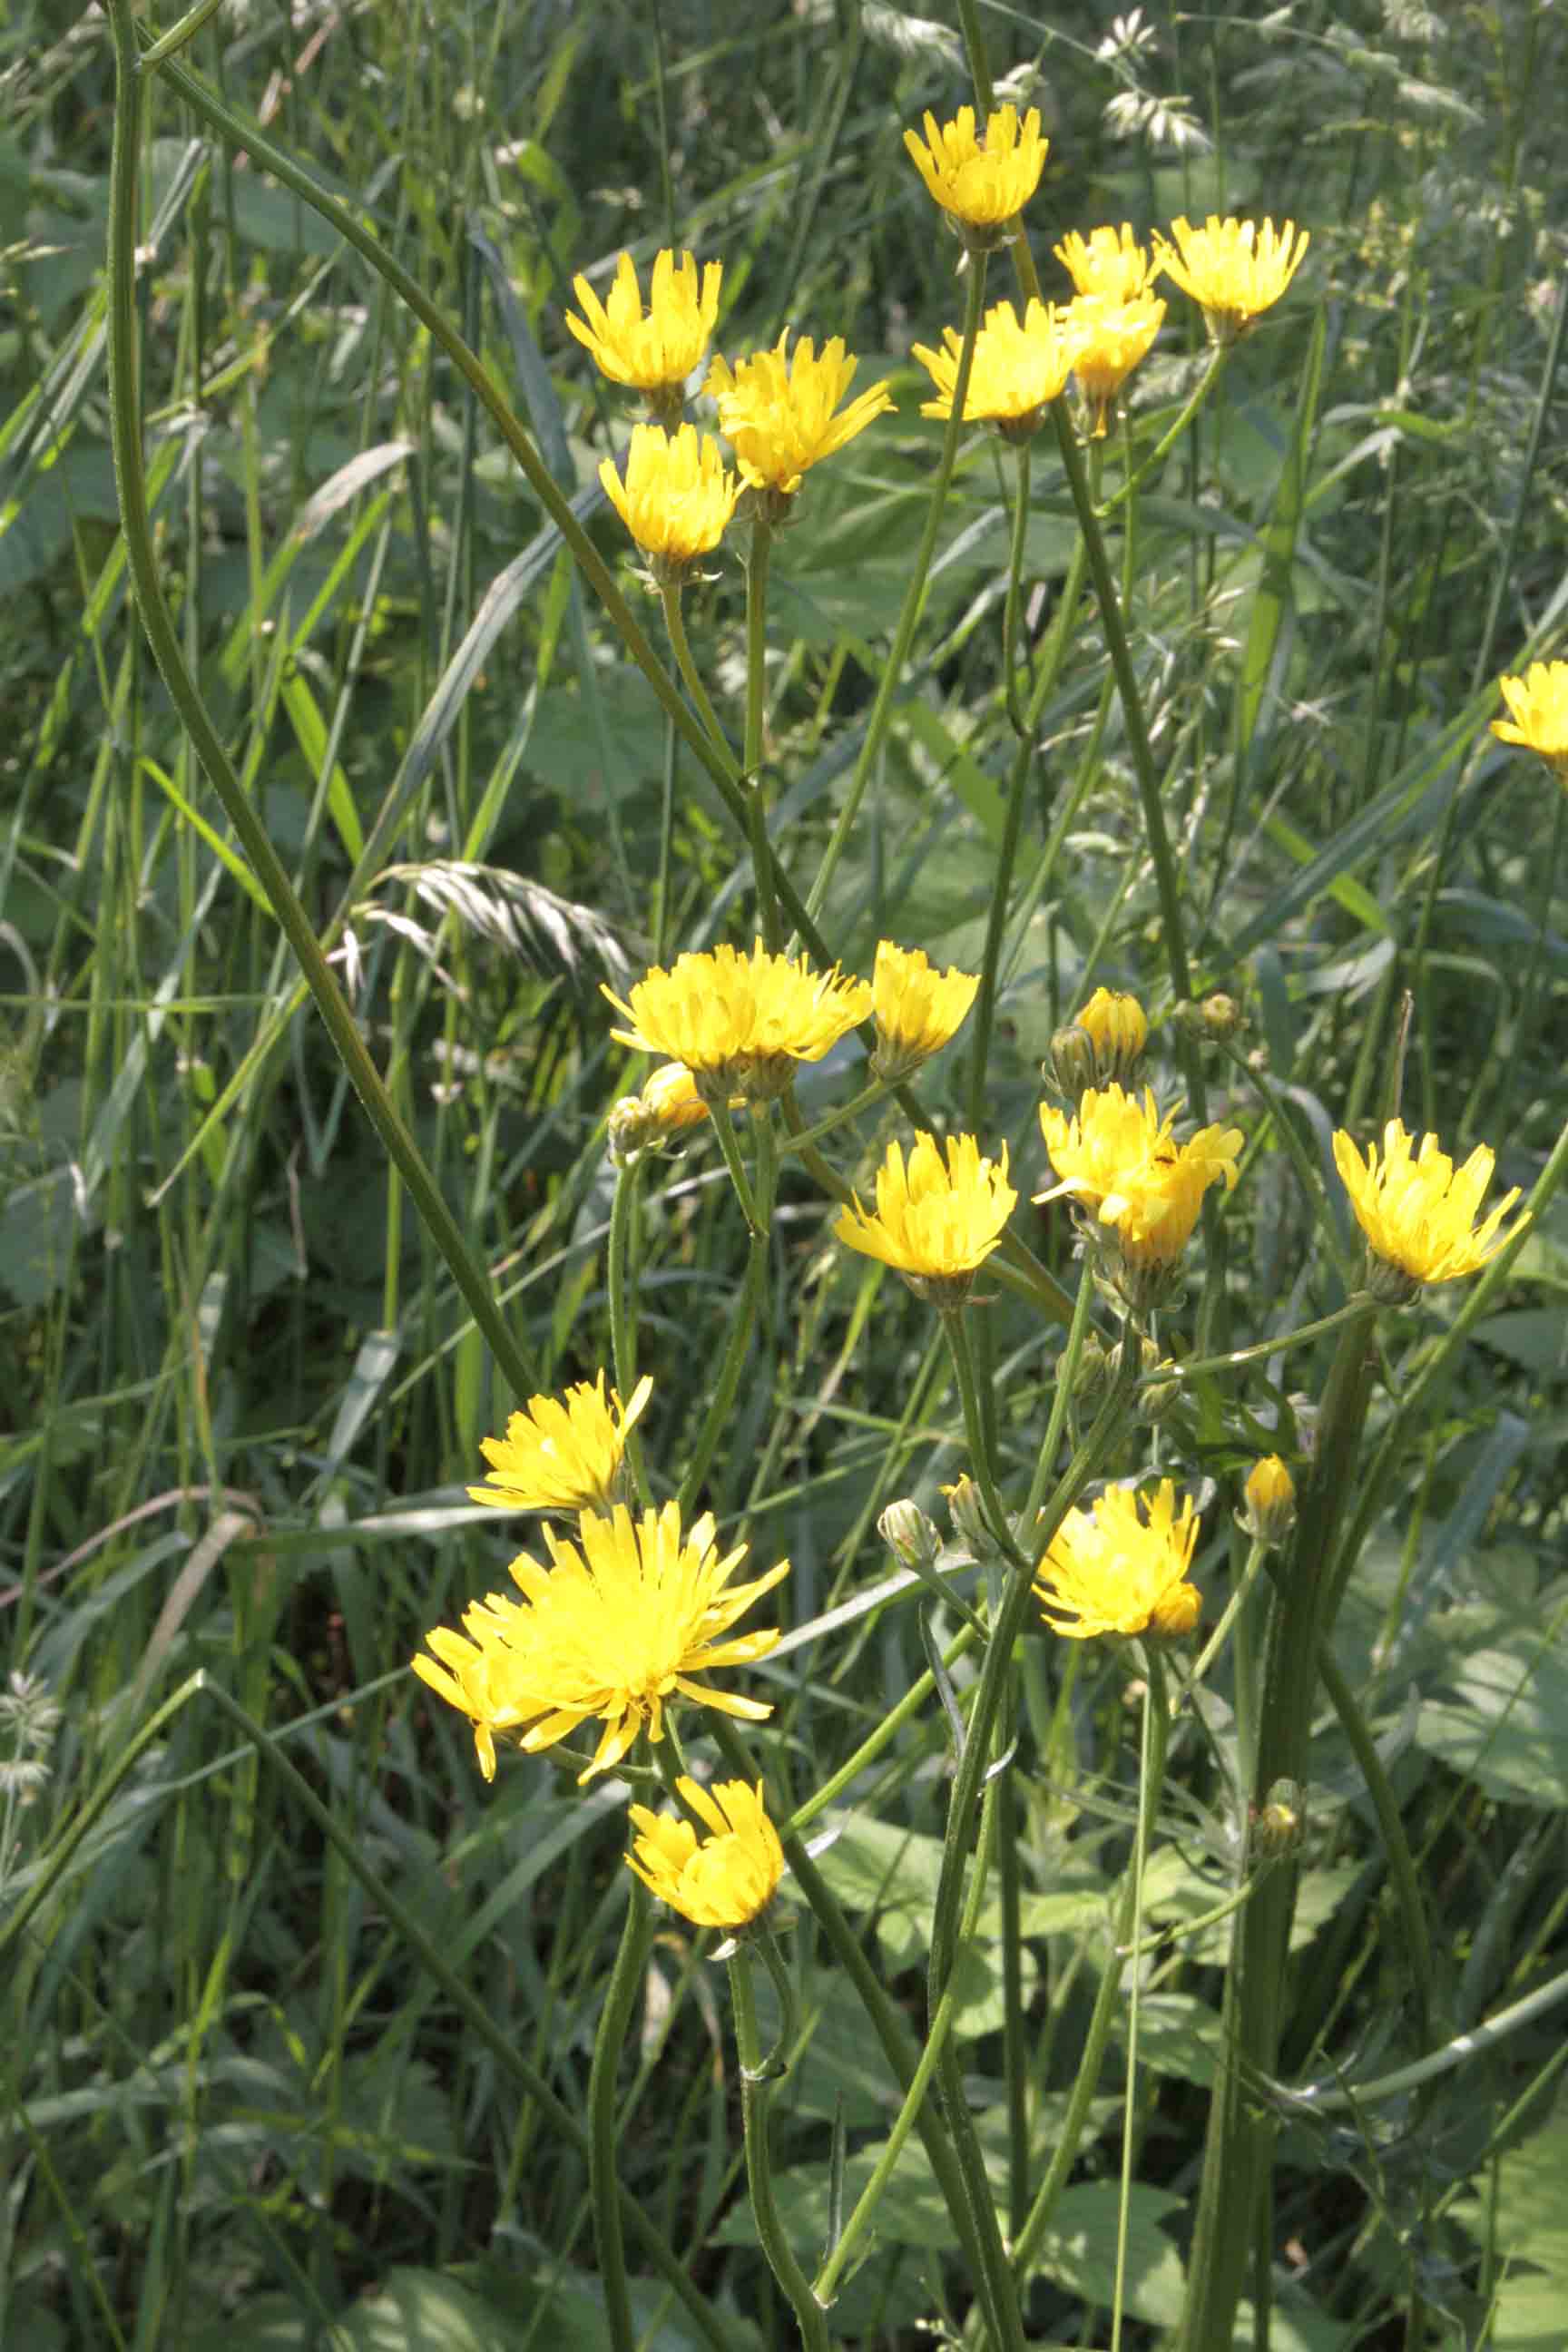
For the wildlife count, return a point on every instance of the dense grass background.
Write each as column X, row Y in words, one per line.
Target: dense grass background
column 240, row 1394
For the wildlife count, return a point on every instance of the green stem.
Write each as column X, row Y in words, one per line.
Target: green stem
column 755, row 2088
column 954, row 1325
column 478, row 2020
column 1459, row 2051
column 623, row 1311
column 751, row 761
column 1156, row 1736
column 1173, row 930
column 125, row 424
column 893, row 2035
column 1232, row 1608
column 904, row 1710
column 1157, row 455
column 937, row 2034
column 1354, row 1310
column 615, row 2017
column 1152, row 1766
column 728, row 1144
column 1007, row 856
column 1415, row 1942
column 1234, row 2192
column 691, row 677
column 737, row 1348
column 914, row 597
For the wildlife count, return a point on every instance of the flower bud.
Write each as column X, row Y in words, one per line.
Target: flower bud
column 1160, row 1398
column 1175, row 1612
column 910, row 1536
column 1093, row 1373
column 1281, row 1822
column 1268, row 1507
column 967, row 1513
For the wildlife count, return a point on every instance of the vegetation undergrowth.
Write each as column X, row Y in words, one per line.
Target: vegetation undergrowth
column 989, row 595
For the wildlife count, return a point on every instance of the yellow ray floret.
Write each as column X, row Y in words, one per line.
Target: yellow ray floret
column 1016, row 370
column 561, row 1454
column 917, row 1009
column 1109, row 262
column 1234, row 269
column 934, row 1217
column 1121, row 1567
column 1110, row 339
column 781, row 416
column 1538, row 712
column 1120, row 1159
column 654, row 350
column 617, row 1625
column 982, row 179
column 676, row 495
column 1418, row 1211
column 723, row 1880
column 728, row 1015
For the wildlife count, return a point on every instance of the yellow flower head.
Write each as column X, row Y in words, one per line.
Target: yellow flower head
column 779, row 414
column 611, row 1631
column 1109, row 262
column 677, row 497
column 724, row 1879
column 1268, row 1511
column 1014, row 374
column 562, row 1456
column 935, row 1220
column 917, row 1009
column 1117, row 1028
column 658, row 351
column 740, row 1024
column 1538, row 712
column 1120, row 1160
column 1110, row 339
column 1121, row 1567
column 981, row 181
column 1234, row 269
column 1418, row 1211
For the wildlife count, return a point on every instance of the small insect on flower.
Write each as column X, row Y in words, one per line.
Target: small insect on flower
column 723, row 1880
column 1418, row 1211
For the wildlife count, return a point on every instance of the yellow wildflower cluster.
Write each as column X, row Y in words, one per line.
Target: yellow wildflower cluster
column 1120, row 1160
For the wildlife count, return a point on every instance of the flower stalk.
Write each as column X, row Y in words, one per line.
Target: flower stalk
column 1233, row 2197
column 608, row 2043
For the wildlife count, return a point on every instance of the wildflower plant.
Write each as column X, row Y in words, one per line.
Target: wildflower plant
column 1072, row 747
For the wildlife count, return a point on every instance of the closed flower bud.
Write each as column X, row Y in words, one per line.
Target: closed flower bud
column 1093, row 1371
column 968, row 1515
column 909, row 1535
column 1071, row 1063
column 1281, row 1822
column 1268, row 1509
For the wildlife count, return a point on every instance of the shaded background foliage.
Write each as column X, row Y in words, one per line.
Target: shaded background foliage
column 241, row 1396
